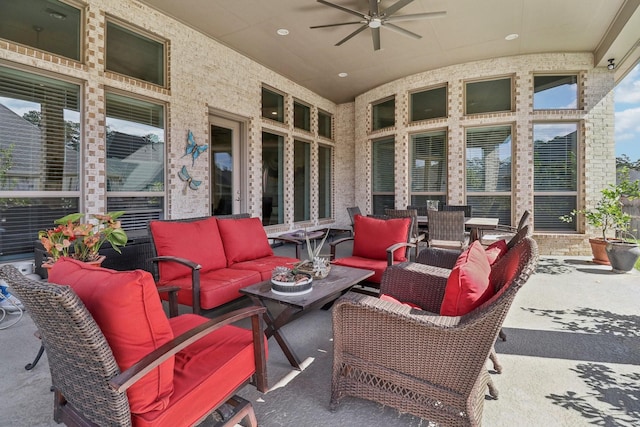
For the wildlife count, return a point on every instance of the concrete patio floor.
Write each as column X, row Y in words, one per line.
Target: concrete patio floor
column 572, row 358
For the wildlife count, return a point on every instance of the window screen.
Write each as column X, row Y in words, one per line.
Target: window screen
column 324, row 124
column 301, row 116
column 488, row 96
column 384, row 114
column 383, row 175
column 429, row 104
column 272, row 105
column 40, row 147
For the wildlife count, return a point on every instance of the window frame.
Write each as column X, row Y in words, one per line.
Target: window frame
column 329, row 116
column 415, row 92
column 378, row 103
column 376, row 193
column 512, row 106
column 279, row 109
column 306, row 202
column 110, row 194
column 144, row 34
column 281, row 179
column 328, row 178
column 307, row 108
column 566, row 74
column 430, row 195
column 574, row 226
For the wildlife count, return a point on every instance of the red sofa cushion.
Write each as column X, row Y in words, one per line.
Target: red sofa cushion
column 217, row 287
column 198, row 241
column 495, row 250
column 373, row 236
column 205, row 372
column 378, row 266
column 468, row 284
column 244, row 239
column 127, row 308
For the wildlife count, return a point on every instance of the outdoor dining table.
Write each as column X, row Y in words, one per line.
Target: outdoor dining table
column 473, row 224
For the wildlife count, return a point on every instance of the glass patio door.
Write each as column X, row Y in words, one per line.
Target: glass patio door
column 226, row 176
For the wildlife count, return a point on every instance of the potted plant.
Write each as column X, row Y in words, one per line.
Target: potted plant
column 609, row 216
column 315, row 264
column 83, row 240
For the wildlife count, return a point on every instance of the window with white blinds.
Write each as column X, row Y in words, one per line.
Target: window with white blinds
column 40, row 142
column 555, row 180
column 325, row 161
column 135, row 159
column 301, row 181
column 488, row 171
column 429, row 164
column 383, row 175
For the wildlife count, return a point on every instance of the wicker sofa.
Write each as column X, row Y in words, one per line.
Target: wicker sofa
column 429, row 365
column 211, row 258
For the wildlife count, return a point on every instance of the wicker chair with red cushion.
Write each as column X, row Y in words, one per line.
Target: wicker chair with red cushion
column 377, row 244
column 116, row 359
column 415, row 359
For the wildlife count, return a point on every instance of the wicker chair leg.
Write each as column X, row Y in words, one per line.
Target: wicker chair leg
column 493, row 390
column 494, row 359
column 502, row 335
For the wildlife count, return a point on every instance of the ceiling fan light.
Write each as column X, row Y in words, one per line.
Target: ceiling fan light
column 375, row 23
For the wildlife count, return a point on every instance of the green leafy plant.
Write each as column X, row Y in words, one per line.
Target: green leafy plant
column 608, row 215
column 83, row 240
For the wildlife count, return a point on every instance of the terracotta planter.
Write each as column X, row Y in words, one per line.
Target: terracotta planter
column 599, row 251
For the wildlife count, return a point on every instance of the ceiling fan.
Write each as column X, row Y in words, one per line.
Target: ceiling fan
column 376, row 19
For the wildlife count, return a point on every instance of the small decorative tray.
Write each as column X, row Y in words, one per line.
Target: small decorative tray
column 290, row 284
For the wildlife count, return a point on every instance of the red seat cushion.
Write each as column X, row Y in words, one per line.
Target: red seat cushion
column 372, row 237
column 127, row 308
column 378, row 266
column 495, row 250
column 468, row 284
column 205, row 372
column 244, row 239
column 264, row 266
column 217, row 287
column 198, row 241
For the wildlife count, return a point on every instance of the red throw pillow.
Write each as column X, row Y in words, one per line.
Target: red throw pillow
column 373, row 236
column 495, row 250
column 244, row 239
column 127, row 308
column 198, row 241
column 468, row 284
column 385, row 297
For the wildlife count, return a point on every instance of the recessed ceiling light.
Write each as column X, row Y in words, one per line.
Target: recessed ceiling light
column 511, row 36
column 342, row 74
column 283, row 32
column 55, row 14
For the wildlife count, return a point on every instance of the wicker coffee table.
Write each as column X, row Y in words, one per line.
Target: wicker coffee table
column 323, row 291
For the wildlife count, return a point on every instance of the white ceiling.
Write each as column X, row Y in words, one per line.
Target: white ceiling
column 471, row 30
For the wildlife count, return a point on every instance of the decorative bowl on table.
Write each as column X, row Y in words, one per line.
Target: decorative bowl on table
column 285, row 281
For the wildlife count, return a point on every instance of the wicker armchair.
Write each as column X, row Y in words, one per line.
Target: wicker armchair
column 89, row 388
column 428, row 365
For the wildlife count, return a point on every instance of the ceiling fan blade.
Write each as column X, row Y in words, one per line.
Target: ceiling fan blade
column 428, row 15
column 336, row 25
column 344, row 9
column 373, row 7
column 375, row 35
column 402, row 31
column 358, row 31
column 396, row 7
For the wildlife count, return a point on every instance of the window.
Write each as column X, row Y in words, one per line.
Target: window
column 272, row 179
column 555, row 179
column 383, row 161
column 555, row 92
column 488, row 96
column 325, row 155
column 48, row 25
column 301, row 180
column 429, row 104
column 134, row 54
column 272, row 105
column 301, row 116
column 428, row 167
column 40, row 148
column 384, row 114
column 324, row 124
column 488, row 159
column 135, row 160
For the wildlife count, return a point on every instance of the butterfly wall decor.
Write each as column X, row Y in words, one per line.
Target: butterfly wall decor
column 194, row 149
column 188, row 179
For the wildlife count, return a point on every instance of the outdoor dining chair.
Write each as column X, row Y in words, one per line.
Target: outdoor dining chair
column 447, row 229
column 417, row 236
